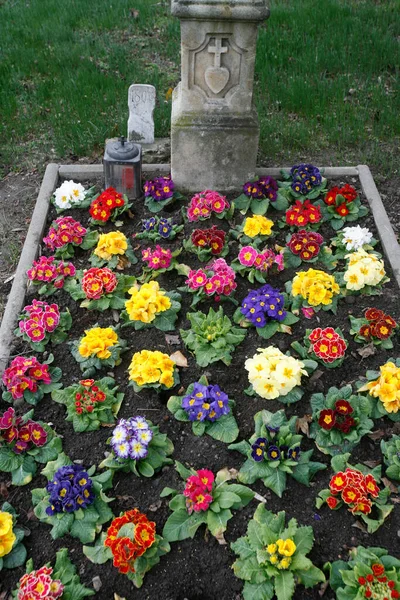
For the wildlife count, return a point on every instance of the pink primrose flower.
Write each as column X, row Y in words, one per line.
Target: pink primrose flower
column 196, row 279
column 248, row 255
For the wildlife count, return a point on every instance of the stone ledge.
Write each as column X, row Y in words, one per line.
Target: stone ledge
column 238, row 10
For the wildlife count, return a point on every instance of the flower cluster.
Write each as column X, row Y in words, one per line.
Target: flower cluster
column 264, row 187
column 205, row 203
column 327, row 344
column 379, row 325
column 160, row 188
column 257, row 225
column 161, row 225
column 314, row 286
column 102, row 207
column 263, row 304
column 386, row 387
column 354, row 489
column 304, row 178
column 348, row 194
column 111, row 244
column 272, row 373
column 70, row 490
column 69, row 195
column 338, row 418
column 97, row 282
column 160, row 258
column 49, row 270
column 19, row 434
column 87, row 396
column 303, row 213
column 280, row 553
column 206, row 403
column 197, row 491
column 126, row 549
column 149, row 367
column 218, row 278
column 264, row 449
column 363, row 269
column 377, row 584
column 306, row 244
column 25, row 374
column 131, row 438
column 212, row 238
column 97, row 342
column 7, row 536
column 354, row 238
column 38, row 319
column 261, row 261
column 64, row 231
column 146, row 302
column 39, row 584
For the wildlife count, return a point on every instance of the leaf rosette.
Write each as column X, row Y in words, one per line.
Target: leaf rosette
column 391, row 455
column 157, row 229
column 61, row 507
column 375, row 328
column 273, row 558
column 274, row 452
column 12, row 550
column 209, row 410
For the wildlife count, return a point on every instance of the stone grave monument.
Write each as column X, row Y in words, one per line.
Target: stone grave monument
column 141, row 104
column 214, row 125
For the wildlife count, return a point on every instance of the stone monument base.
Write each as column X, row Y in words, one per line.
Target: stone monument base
column 213, row 151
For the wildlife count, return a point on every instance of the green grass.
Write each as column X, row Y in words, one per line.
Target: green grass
column 67, row 65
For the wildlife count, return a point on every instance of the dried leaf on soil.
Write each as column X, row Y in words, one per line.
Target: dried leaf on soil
column 179, row 359
column 366, row 351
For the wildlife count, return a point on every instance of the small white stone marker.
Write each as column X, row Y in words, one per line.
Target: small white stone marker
column 141, row 104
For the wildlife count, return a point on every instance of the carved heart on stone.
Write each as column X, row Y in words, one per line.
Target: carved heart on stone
column 216, row 78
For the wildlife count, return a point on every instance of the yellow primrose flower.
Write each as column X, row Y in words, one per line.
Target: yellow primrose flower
column 284, row 564
column 257, row 225
column 363, row 269
column 271, row 548
column 151, row 367
column 110, row 244
column 97, row 341
column 146, row 302
column 7, row 536
column 386, row 387
column 317, row 287
column 286, row 547
column 274, row 559
column 272, row 373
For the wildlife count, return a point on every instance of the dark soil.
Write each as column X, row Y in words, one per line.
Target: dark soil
column 201, row 568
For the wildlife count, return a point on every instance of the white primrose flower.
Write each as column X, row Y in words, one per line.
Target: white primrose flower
column 68, row 194
column 355, row 237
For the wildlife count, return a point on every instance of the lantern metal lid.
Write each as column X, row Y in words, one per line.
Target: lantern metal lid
column 122, row 150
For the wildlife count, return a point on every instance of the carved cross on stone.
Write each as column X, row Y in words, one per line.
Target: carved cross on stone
column 218, row 49
column 217, row 77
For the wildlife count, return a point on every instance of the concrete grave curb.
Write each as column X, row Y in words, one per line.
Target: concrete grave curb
column 54, row 171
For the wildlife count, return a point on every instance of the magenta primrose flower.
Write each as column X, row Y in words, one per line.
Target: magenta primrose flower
column 247, row 256
column 38, row 319
column 217, row 278
column 63, row 231
column 205, row 203
column 39, row 584
column 196, row 491
column 262, row 261
column 25, row 373
column 160, row 258
column 49, row 270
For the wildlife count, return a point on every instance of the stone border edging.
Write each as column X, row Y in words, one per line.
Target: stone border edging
column 53, row 171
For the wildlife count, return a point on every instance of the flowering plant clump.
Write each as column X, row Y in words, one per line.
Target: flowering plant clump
column 255, row 264
column 302, row 180
column 109, row 205
column 273, row 451
column 71, row 195
column 89, row 403
column 264, row 309
column 375, row 327
column 65, row 234
column 205, row 499
column 303, row 213
column 209, row 410
column 50, row 274
column 391, row 456
column 159, row 193
column 257, row 196
column 23, row 443
column 132, row 544
column 314, row 288
column 309, row 247
column 152, row 369
column 157, row 228
column 383, row 387
column 364, row 272
column 273, row 374
column 99, row 288
column 41, row 323
column 205, row 204
column 138, row 447
column 12, row 550
column 99, row 347
column 212, row 337
column 217, row 279
column 113, row 250
column 73, row 501
column 340, row 420
column 327, row 346
column 206, row 243
column 353, row 238
column 253, row 229
column 50, row 583
column 357, row 488
column 370, row 573
column 272, row 558
column 29, row 379
column 150, row 306
column 341, row 205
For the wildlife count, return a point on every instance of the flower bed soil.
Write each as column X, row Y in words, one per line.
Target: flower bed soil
column 201, row 568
